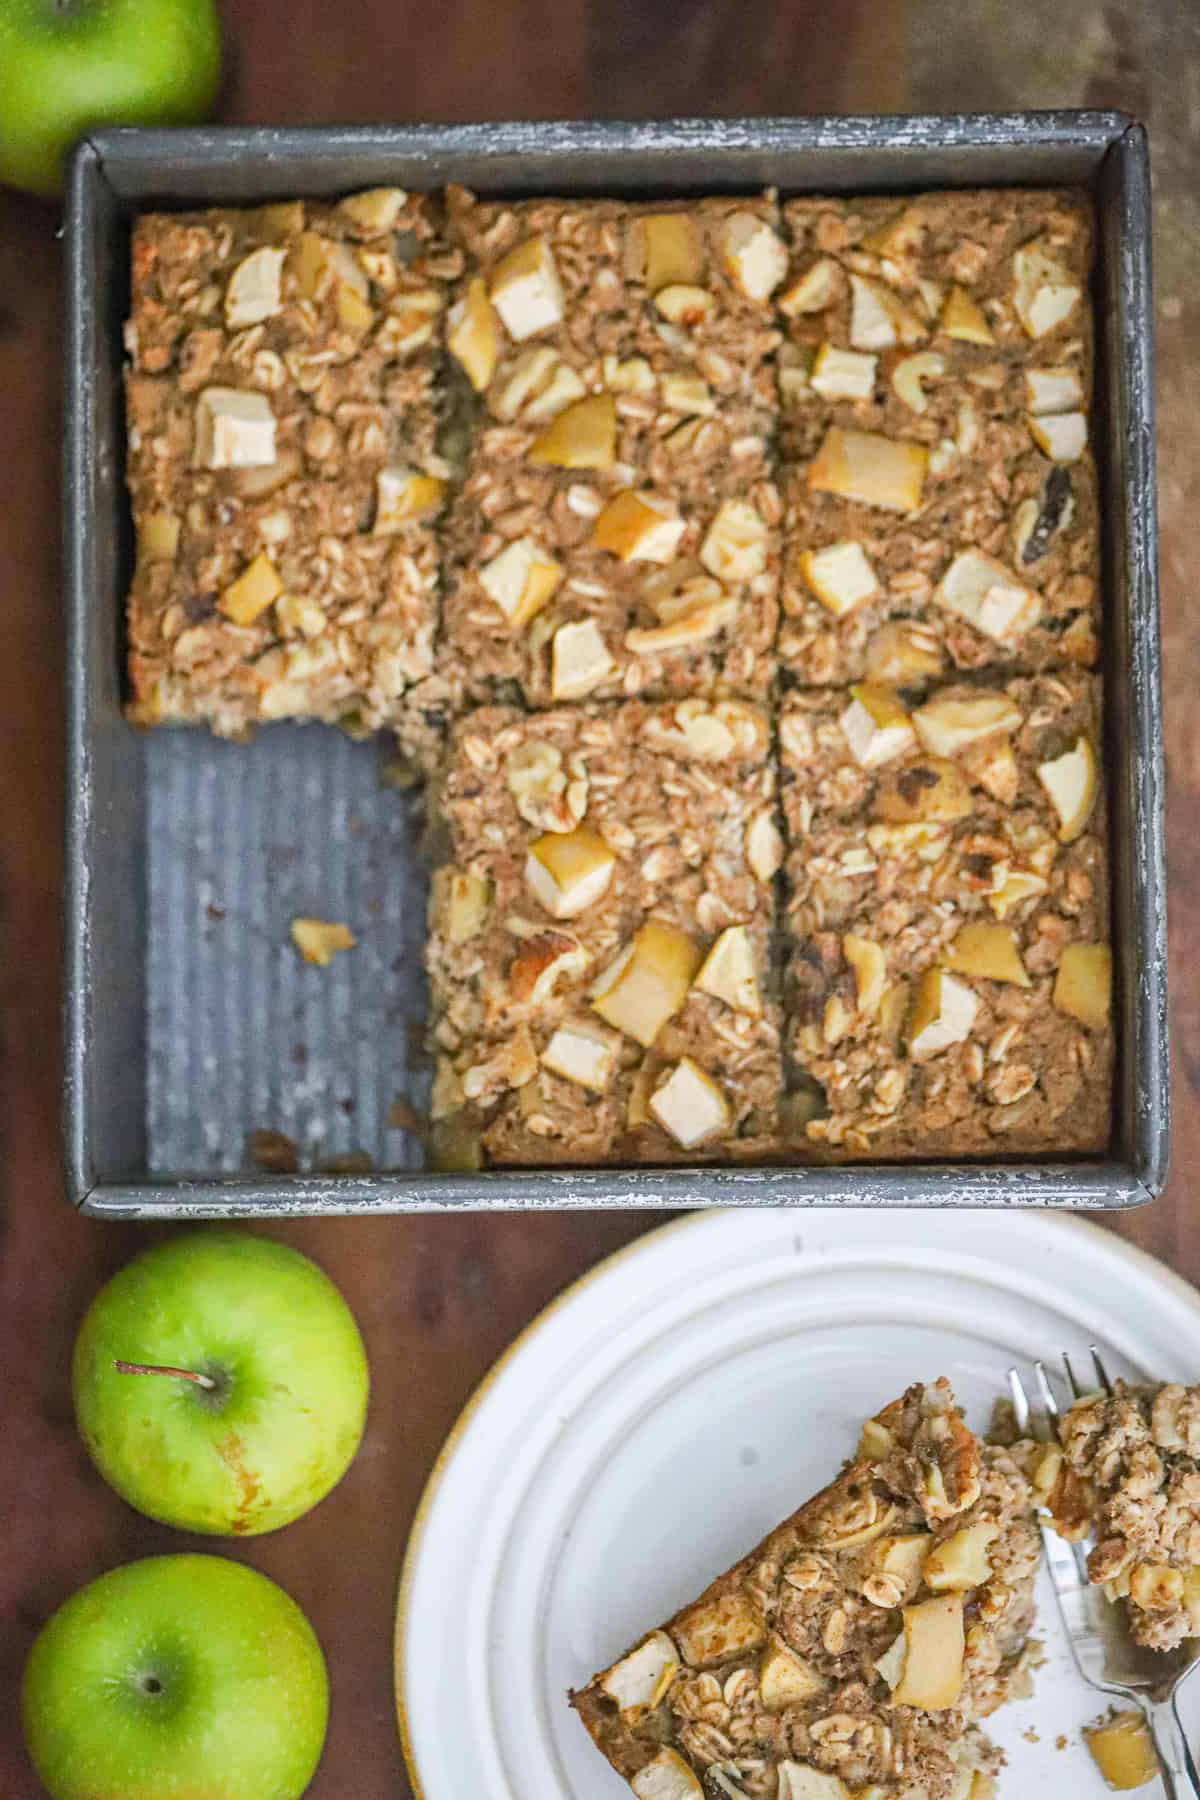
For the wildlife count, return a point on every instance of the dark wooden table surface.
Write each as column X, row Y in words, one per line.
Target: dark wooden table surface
column 439, row 1298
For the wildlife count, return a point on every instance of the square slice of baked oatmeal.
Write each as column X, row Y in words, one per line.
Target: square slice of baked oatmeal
column 857, row 1647
column 599, row 947
column 284, row 468
column 946, row 920
column 617, row 531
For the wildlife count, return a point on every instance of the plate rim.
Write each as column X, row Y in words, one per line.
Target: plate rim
column 433, row 1481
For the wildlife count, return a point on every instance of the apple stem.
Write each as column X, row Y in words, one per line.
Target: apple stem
column 128, row 1368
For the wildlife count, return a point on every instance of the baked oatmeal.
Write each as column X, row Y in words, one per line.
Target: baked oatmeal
column 946, row 918
column 936, row 383
column 1129, row 1473
column 856, row 1648
column 617, row 531
column 599, row 936
column 283, row 414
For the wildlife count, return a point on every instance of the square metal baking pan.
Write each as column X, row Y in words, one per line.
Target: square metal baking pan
column 189, row 1021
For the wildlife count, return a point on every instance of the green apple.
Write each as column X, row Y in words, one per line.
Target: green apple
column 176, row 1678
column 221, row 1383
column 67, row 66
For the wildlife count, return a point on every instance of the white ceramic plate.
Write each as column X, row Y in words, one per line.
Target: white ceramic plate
column 674, row 1405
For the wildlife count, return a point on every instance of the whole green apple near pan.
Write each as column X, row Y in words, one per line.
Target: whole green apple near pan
column 176, row 1678
column 68, row 66
column 220, row 1383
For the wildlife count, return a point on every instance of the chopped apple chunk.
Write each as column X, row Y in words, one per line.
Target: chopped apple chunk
column 989, row 596
column 879, row 319
column 668, row 250
column 842, row 374
column 685, row 306
column 569, row 871
column 539, row 387
column 1021, row 884
column 467, row 903
column 1053, row 390
column 876, row 726
column 1123, row 1751
column 1070, row 780
column 1083, row 985
column 816, row 289
column 903, row 1556
column 319, row 940
column 1044, row 294
column 735, row 545
column 965, row 319
column 729, row 972
column 235, row 429
column 933, row 790
column 943, row 1012
column 933, row 1664
column 252, row 593
column 471, row 335
column 1063, row 436
column 989, row 951
column 891, row 1664
column 690, row 1105
column 667, row 1777
column 786, row 1679
column 713, row 1630
column 403, row 494
column 158, row 536
column 586, row 1057
column 255, row 288
column 639, row 527
column 579, row 660
column 375, row 209
column 525, row 289
column 754, row 256
column 541, row 963
column 840, row 576
column 638, row 1682
column 689, row 395
column 863, row 465
column 649, row 986
column 520, row 580
column 869, row 963
column 320, row 265
column 947, row 727
column 582, row 436
column 961, row 1560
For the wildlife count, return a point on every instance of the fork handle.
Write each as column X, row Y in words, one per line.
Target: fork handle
column 1179, row 1775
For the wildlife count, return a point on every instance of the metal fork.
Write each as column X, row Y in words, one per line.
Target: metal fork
column 1105, row 1653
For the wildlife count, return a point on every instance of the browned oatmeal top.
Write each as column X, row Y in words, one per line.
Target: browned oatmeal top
column 858, row 1643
